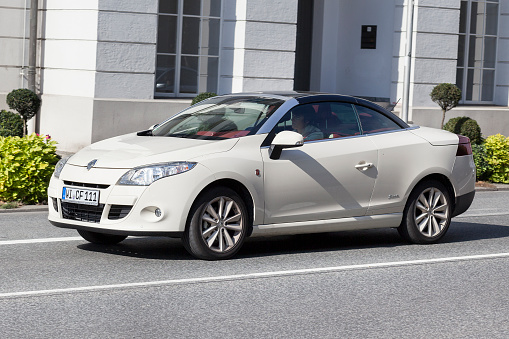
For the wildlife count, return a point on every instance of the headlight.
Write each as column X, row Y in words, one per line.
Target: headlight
column 144, row 176
column 60, row 166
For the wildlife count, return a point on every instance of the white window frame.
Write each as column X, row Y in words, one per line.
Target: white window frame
column 178, row 51
column 465, row 68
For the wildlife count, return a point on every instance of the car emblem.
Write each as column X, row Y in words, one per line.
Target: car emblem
column 91, row 164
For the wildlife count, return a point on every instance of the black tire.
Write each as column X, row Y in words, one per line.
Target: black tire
column 214, row 232
column 427, row 214
column 101, row 238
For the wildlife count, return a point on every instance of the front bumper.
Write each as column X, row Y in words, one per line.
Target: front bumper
column 125, row 210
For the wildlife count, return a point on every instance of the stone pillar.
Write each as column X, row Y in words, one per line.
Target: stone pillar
column 258, row 45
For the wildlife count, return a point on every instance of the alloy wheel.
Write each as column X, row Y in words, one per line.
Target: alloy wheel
column 221, row 224
column 431, row 213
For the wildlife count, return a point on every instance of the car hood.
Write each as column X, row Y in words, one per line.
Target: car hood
column 130, row 150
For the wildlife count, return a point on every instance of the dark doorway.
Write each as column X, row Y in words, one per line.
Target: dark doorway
column 302, row 73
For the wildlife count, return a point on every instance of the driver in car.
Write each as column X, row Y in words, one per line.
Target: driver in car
column 302, row 122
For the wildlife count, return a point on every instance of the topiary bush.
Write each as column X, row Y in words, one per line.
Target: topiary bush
column 446, row 96
column 25, row 102
column 202, row 96
column 26, row 166
column 483, row 168
column 465, row 126
column 11, row 124
column 497, row 152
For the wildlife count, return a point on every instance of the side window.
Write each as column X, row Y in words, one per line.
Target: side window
column 321, row 120
column 342, row 121
column 303, row 119
column 374, row 122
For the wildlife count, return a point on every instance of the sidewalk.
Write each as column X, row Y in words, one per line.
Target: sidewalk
column 479, row 187
column 26, row 208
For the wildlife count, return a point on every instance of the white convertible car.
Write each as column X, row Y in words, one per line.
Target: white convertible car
column 242, row 165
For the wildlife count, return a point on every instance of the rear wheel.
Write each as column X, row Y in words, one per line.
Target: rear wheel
column 101, row 238
column 217, row 226
column 427, row 215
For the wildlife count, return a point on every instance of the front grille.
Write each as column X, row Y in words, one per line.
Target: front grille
column 88, row 185
column 119, row 211
column 82, row 212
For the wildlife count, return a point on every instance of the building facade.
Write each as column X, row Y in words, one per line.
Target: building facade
column 109, row 67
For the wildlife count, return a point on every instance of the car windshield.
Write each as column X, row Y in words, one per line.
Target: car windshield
column 220, row 118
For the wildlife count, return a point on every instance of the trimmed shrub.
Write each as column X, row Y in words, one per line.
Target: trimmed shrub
column 483, row 168
column 26, row 166
column 465, row 126
column 202, row 96
column 25, row 102
column 446, row 96
column 497, row 152
column 11, row 124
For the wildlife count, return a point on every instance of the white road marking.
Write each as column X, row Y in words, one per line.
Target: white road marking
column 37, row 241
column 259, row 275
column 474, row 215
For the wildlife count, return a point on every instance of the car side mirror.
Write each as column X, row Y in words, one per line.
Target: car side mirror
column 282, row 140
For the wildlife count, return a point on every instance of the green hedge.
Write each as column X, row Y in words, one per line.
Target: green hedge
column 465, row 126
column 497, row 155
column 11, row 124
column 26, row 166
column 202, row 96
column 483, row 167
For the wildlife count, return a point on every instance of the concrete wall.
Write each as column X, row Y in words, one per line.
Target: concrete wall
column 99, row 75
column 492, row 120
column 258, row 45
column 365, row 72
column 109, row 54
column 339, row 65
column 14, row 48
column 97, row 58
column 436, row 47
column 126, row 49
column 131, row 115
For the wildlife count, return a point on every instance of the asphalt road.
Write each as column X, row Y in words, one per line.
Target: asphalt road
column 366, row 284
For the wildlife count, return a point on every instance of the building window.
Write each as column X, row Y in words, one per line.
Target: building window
column 187, row 47
column 477, row 50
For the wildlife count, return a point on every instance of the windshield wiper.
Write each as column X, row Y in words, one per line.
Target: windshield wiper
column 180, row 135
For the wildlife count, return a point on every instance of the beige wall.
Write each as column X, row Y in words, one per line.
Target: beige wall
column 492, row 120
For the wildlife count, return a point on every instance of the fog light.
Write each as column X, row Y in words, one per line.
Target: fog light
column 157, row 212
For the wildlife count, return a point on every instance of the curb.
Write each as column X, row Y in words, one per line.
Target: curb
column 27, row 208
column 493, row 187
column 481, row 189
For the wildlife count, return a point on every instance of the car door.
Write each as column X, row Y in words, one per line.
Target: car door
column 327, row 178
column 401, row 157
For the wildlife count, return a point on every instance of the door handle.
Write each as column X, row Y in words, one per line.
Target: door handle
column 363, row 166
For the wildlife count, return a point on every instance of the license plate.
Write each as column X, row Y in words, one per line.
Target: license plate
column 80, row 196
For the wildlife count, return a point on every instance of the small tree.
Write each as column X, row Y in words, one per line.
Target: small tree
column 446, row 96
column 26, row 103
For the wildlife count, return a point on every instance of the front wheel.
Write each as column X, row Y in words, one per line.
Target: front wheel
column 217, row 225
column 101, row 238
column 427, row 215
